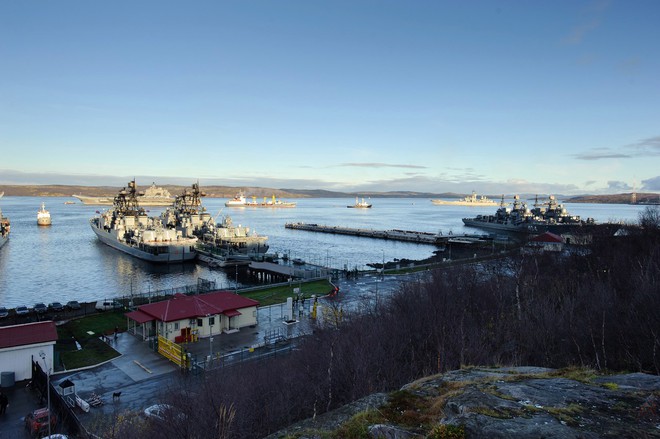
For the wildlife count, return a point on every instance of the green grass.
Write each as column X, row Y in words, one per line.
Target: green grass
column 274, row 295
column 93, row 351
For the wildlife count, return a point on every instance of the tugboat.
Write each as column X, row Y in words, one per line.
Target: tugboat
column 43, row 216
column 470, row 200
column 547, row 217
column 4, row 229
column 126, row 227
column 360, row 204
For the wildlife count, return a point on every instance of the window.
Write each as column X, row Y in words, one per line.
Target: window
column 200, row 322
column 176, row 326
column 211, row 321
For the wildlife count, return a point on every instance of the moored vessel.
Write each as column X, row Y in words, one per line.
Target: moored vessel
column 470, row 200
column 360, row 204
column 4, row 229
column 43, row 216
column 223, row 239
column 152, row 196
column 547, row 217
column 126, row 227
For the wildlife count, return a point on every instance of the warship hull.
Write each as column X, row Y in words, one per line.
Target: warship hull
column 157, row 253
column 108, row 201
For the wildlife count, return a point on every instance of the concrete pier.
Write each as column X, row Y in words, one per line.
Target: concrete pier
column 436, row 239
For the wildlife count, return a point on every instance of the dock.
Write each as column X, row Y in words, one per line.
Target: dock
column 437, row 239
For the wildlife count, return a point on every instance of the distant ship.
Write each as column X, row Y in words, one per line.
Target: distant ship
column 470, row 200
column 360, row 204
column 240, row 201
column 126, row 227
column 547, row 217
column 4, row 229
column 152, row 196
column 43, row 216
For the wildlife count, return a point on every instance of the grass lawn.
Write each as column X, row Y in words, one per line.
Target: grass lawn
column 93, row 350
column 271, row 296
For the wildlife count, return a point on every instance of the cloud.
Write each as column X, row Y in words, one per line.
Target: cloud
column 591, row 22
column 601, row 155
column 589, row 183
column 615, row 185
column 381, row 165
column 649, row 147
column 651, row 184
column 576, row 35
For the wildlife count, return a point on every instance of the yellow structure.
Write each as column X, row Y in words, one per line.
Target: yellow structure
column 173, row 352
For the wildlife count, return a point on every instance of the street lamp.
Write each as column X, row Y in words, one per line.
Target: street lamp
column 42, row 354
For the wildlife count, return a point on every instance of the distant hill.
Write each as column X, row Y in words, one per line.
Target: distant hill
column 642, row 198
column 260, row 192
column 211, row 192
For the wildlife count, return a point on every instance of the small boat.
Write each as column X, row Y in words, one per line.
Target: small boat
column 69, row 202
column 43, row 216
column 360, row 204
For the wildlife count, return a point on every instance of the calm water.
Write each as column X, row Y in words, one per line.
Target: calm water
column 66, row 262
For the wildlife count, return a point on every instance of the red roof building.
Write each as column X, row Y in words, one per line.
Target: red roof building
column 201, row 315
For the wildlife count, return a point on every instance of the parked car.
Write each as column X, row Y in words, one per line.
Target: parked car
column 3, row 312
column 162, row 412
column 37, row 421
column 73, row 304
column 22, row 310
column 56, row 306
column 106, row 305
column 40, row 308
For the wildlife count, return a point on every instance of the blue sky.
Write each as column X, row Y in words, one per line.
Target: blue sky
column 493, row 96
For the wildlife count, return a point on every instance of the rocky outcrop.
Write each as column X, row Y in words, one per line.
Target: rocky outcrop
column 520, row 402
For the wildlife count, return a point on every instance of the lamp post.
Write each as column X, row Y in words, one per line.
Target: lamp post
column 42, row 354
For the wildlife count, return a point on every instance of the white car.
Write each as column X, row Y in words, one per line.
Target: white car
column 160, row 411
column 107, row 305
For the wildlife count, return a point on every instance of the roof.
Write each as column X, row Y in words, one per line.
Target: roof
column 182, row 307
column 28, row 334
column 547, row 237
column 139, row 316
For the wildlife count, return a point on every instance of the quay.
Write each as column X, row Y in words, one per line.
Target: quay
column 437, row 239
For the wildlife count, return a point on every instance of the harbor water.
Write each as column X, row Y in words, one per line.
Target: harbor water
column 65, row 261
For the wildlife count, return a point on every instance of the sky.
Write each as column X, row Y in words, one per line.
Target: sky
column 350, row 95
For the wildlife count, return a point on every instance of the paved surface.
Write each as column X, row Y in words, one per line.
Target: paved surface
column 142, row 376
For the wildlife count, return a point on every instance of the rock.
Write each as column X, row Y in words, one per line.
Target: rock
column 512, row 402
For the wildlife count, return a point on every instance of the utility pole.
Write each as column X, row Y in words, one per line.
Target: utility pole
column 42, row 354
